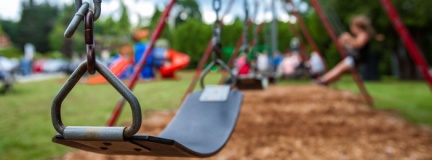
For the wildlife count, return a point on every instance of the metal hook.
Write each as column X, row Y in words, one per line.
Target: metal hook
column 79, row 16
column 82, row 8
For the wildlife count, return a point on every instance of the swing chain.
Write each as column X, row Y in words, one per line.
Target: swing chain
column 217, row 4
column 244, row 47
column 217, row 27
column 82, row 9
column 84, row 12
column 89, row 41
column 217, row 47
column 256, row 30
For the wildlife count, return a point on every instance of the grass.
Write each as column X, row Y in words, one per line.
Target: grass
column 410, row 98
column 26, row 128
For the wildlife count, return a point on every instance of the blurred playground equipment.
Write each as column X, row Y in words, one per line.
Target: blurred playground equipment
column 249, row 77
column 8, row 69
column 166, row 61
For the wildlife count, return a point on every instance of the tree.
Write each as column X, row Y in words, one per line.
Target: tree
column 187, row 9
column 231, row 33
column 56, row 39
column 108, row 28
column 155, row 19
column 1, row 30
column 10, row 28
column 167, row 32
column 285, row 36
column 123, row 25
column 193, row 45
column 36, row 23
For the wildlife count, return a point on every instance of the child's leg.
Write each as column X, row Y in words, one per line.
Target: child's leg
column 334, row 74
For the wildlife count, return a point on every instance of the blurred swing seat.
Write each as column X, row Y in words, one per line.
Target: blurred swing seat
column 252, row 82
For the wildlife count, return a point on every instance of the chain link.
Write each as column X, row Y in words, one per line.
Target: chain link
column 82, row 9
column 89, row 16
column 217, row 29
column 256, row 29
column 245, row 46
column 217, row 4
column 89, row 41
column 217, row 48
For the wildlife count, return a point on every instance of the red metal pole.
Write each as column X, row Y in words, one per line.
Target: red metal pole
column 199, row 70
column 328, row 27
column 407, row 39
column 138, row 68
column 306, row 32
column 205, row 57
column 341, row 49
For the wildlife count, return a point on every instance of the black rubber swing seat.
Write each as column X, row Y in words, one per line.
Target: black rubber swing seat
column 252, row 82
column 200, row 129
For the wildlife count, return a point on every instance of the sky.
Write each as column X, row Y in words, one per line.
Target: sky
column 10, row 9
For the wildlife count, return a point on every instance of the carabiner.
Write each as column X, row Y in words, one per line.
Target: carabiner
column 89, row 41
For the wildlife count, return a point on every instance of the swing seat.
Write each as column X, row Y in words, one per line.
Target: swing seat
column 200, row 129
column 251, row 82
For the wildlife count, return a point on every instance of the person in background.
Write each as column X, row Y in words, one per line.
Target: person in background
column 263, row 63
column 316, row 65
column 358, row 45
column 241, row 65
column 287, row 68
column 276, row 59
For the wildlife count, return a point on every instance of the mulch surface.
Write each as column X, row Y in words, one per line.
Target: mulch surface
column 306, row 122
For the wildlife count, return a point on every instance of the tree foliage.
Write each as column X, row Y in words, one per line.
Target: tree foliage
column 187, row 9
column 123, row 25
column 56, row 39
column 1, row 30
column 192, row 37
column 36, row 23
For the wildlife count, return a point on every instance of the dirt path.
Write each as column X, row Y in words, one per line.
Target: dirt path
column 307, row 122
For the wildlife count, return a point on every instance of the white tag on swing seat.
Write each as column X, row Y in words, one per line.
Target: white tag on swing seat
column 215, row 93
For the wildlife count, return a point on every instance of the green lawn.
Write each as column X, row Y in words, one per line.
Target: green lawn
column 26, row 128
column 412, row 99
